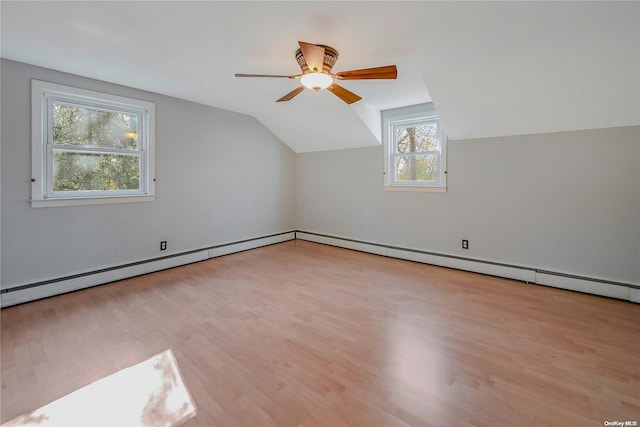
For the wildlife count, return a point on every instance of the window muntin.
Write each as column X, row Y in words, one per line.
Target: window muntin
column 89, row 146
column 414, row 149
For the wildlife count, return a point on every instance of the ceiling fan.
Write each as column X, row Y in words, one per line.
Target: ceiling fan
column 316, row 62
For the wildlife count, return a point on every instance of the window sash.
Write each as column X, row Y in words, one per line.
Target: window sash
column 51, row 193
column 394, row 168
column 411, row 123
column 52, row 147
column 52, row 100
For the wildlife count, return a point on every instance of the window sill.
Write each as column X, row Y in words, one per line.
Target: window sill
column 415, row 188
column 77, row 201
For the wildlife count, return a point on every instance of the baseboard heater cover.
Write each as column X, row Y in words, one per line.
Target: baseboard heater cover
column 588, row 285
column 19, row 294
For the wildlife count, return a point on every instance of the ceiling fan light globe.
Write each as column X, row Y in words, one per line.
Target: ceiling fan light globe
column 316, row 81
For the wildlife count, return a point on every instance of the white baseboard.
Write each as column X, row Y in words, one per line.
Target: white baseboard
column 524, row 274
column 250, row 244
column 493, row 269
column 347, row 244
column 584, row 285
column 26, row 294
column 18, row 294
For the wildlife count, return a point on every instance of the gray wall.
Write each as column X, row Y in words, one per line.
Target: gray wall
column 221, row 177
column 566, row 202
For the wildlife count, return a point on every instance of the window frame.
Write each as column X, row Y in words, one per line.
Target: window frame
column 400, row 117
column 43, row 95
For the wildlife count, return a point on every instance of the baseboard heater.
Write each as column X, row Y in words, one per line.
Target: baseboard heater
column 18, row 294
column 607, row 288
column 29, row 292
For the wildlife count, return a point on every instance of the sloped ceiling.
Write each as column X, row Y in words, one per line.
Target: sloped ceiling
column 491, row 68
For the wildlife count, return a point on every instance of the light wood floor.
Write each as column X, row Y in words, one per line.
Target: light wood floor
column 301, row 334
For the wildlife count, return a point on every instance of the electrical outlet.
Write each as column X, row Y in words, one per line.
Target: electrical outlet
column 465, row 244
column 163, row 245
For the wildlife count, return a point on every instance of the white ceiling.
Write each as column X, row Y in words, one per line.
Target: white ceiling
column 491, row 68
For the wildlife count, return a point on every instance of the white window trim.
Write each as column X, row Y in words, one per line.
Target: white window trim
column 408, row 114
column 40, row 93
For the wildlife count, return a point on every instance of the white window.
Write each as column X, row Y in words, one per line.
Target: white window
column 415, row 149
column 90, row 147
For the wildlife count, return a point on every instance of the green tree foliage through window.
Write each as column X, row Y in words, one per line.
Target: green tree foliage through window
column 91, row 172
column 94, row 149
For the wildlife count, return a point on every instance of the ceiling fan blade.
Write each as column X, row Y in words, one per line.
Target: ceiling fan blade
column 386, row 72
column 344, row 94
column 313, row 56
column 269, row 75
column 291, row 94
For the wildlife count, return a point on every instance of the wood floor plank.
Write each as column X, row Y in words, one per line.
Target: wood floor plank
column 302, row 334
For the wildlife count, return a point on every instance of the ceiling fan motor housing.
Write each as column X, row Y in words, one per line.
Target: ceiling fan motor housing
column 330, row 58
